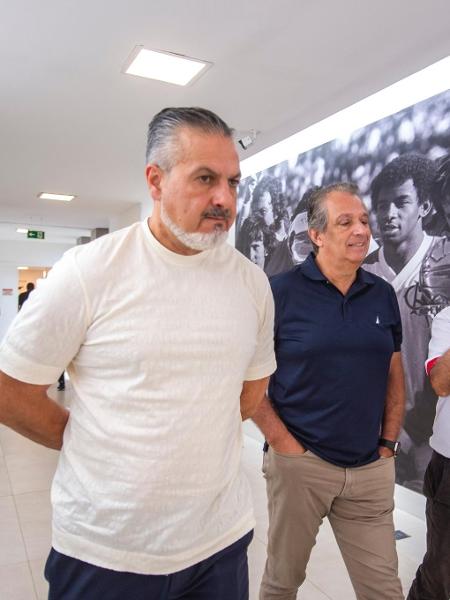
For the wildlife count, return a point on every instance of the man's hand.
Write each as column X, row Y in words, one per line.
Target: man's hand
column 275, row 431
column 385, row 452
column 440, row 375
column 287, row 445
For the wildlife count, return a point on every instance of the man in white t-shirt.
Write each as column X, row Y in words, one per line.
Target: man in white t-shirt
column 401, row 200
column 167, row 334
column 432, row 580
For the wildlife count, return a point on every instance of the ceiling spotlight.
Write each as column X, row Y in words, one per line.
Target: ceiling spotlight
column 61, row 197
column 164, row 66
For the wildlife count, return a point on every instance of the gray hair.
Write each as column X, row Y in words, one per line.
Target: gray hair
column 317, row 212
column 163, row 130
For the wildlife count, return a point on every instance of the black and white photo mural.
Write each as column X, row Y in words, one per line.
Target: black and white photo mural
column 401, row 165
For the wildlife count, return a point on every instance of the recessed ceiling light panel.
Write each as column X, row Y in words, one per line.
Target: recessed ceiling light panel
column 61, row 197
column 164, row 66
column 21, row 230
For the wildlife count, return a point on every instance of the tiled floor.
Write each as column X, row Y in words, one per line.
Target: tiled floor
column 25, row 475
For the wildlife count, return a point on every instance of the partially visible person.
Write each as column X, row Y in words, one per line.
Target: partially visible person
column 297, row 245
column 257, row 251
column 245, row 204
column 257, row 239
column 433, row 289
column 401, row 200
column 334, row 407
column 61, row 383
column 440, row 196
column 23, row 296
column 432, row 581
column 267, row 204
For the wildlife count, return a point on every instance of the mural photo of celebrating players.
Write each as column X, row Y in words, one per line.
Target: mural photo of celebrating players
column 401, row 165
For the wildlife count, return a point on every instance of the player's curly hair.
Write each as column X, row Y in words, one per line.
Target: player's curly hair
column 440, row 190
column 417, row 167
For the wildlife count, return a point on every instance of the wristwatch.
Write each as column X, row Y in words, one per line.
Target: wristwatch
column 394, row 446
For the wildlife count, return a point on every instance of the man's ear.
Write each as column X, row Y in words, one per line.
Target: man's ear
column 424, row 208
column 316, row 237
column 154, row 176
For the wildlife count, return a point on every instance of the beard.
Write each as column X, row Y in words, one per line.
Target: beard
column 194, row 241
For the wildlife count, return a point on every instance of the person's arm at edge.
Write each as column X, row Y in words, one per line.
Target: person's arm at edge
column 27, row 409
column 440, row 375
column 274, row 430
column 394, row 408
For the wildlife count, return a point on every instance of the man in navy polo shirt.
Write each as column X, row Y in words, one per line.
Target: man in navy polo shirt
column 335, row 407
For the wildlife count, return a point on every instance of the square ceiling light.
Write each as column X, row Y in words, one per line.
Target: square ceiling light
column 60, row 197
column 164, row 66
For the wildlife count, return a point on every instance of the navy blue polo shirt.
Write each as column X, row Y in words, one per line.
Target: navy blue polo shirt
column 333, row 356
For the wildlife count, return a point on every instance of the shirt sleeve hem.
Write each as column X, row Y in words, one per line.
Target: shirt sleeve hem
column 429, row 364
column 25, row 370
column 261, row 371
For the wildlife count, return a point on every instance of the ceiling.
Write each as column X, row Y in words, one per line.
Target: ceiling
column 71, row 122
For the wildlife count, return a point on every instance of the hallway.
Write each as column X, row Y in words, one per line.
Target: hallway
column 26, row 471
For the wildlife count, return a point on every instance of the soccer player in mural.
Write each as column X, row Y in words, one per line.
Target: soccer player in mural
column 298, row 241
column 440, row 196
column 247, row 195
column 401, row 200
column 296, row 246
column 441, row 192
column 268, row 206
column 256, row 236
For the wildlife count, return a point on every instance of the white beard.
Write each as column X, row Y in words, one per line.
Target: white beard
column 194, row 241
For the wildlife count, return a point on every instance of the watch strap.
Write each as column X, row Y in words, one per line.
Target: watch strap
column 393, row 445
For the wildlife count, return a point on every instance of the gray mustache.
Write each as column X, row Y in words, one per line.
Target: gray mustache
column 217, row 212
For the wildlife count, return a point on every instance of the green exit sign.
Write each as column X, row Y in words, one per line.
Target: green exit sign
column 36, row 235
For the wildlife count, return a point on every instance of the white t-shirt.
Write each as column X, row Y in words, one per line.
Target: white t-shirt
column 439, row 344
column 158, row 346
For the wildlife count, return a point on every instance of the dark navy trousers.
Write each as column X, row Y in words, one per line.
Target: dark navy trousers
column 222, row 576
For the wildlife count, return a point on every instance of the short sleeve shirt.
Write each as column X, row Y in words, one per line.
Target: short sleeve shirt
column 333, row 357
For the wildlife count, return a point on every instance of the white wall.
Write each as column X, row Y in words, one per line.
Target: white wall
column 146, row 208
column 30, row 253
column 128, row 217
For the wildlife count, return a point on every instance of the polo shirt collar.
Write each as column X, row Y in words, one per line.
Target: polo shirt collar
column 310, row 269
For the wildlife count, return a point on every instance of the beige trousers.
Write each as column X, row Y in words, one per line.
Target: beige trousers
column 302, row 490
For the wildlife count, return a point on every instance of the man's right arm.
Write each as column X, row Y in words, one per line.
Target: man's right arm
column 274, row 430
column 27, row 409
column 440, row 375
